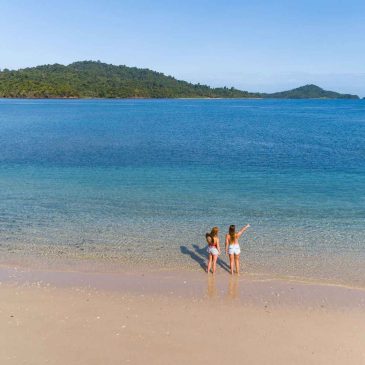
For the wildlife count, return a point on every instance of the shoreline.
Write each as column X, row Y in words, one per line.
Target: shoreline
column 191, row 284
column 177, row 98
column 49, row 262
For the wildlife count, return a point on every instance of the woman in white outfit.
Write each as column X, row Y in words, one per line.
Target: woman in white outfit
column 213, row 248
column 233, row 247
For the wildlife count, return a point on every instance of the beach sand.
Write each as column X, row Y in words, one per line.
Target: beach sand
column 176, row 318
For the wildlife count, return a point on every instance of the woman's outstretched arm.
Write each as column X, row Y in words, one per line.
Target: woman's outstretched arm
column 242, row 230
column 227, row 244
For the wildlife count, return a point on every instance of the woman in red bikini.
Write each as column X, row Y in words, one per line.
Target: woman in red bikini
column 213, row 248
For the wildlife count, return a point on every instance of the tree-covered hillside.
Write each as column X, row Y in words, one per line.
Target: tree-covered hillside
column 310, row 92
column 89, row 79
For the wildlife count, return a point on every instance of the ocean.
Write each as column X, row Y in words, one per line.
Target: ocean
column 140, row 182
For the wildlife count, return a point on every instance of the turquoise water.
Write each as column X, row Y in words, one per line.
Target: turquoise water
column 141, row 181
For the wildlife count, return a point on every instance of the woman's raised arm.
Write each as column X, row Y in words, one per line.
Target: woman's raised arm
column 242, row 230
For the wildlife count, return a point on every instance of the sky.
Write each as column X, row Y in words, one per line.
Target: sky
column 252, row 45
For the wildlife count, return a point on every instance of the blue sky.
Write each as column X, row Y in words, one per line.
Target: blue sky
column 252, row 45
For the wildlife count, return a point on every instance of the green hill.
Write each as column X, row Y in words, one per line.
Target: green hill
column 89, row 79
column 310, row 92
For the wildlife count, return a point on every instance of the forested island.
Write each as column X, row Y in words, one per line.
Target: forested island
column 309, row 92
column 94, row 79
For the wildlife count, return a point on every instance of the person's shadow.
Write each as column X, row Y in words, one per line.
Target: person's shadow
column 200, row 255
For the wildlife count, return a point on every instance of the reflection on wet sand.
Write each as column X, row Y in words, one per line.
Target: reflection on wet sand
column 233, row 292
column 212, row 288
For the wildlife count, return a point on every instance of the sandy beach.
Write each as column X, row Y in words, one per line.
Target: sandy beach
column 175, row 318
column 182, row 183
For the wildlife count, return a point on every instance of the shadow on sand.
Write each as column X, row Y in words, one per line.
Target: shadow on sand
column 200, row 255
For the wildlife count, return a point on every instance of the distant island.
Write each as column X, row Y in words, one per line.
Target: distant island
column 94, row 79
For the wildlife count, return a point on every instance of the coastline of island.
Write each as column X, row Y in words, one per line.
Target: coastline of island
column 90, row 79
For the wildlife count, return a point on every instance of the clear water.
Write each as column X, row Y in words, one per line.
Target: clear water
column 141, row 181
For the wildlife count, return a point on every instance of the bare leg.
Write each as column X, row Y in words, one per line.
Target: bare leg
column 237, row 263
column 209, row 263
column 215, row 258
column 231, row 259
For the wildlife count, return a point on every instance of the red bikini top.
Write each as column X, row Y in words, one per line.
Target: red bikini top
column 210, row 240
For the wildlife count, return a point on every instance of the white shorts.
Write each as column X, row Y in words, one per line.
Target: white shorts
column 234, row 249
column 213, row 250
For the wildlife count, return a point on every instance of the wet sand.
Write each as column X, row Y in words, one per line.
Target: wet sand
column 49, row 317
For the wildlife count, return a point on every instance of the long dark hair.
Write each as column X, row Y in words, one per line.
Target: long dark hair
column 232, row 232
column 213, row 233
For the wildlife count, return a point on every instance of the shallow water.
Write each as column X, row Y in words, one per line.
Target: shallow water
column 141, row 181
